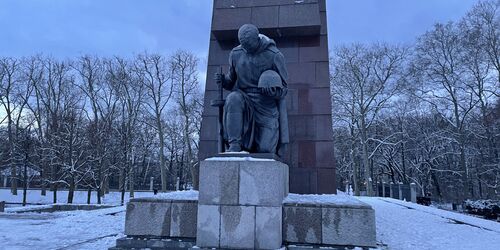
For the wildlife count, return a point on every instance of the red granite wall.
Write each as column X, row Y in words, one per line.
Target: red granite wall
column 300, row 31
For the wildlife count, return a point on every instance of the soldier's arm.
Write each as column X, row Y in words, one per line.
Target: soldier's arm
column 227, row 81
column 230, row 78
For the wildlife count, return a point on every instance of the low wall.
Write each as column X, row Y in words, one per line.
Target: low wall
column 306, row 219
column 328, row 220
column 51, row 208
column 165, row 215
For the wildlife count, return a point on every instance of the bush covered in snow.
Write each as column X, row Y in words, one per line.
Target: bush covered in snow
column 490, row 209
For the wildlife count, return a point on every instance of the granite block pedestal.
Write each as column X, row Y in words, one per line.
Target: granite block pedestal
column 329, row 220
column 240, row 203
column 163, row 216
column 243, row 203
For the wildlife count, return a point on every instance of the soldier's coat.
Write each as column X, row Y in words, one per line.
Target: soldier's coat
column 244, row 72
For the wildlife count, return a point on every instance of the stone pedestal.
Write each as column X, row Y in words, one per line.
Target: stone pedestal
column 162, row 216
column 240, row 203
column 328, row 220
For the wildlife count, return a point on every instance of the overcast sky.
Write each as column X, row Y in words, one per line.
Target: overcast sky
column 68, row 28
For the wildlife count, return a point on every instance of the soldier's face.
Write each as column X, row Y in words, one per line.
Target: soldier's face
column 250, row 42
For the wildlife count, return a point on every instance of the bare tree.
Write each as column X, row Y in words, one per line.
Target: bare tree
column 54, row 92
column 155, row 74
column 439, row 60
column 484, row 20
column 34, row 75
column 91, row 75
column 364, row 81
column 14, row 95
column 480, row 31
column 185, row 79
column 130, row 93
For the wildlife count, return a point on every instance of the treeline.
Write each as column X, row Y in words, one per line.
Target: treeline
column 94, row 122
column 428, row 113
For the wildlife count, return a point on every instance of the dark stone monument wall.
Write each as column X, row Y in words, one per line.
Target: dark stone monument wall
column 300, row 31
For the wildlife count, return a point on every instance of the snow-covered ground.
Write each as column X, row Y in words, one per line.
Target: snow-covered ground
column 400, row 225
column 405, row 225
column 97, row 229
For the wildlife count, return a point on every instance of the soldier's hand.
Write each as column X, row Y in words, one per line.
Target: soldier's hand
column 270, row 91
column 277, row 93
column 219, row 78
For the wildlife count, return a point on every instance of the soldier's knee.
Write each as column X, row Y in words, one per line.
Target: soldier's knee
column 234, row 100
column 234, row 97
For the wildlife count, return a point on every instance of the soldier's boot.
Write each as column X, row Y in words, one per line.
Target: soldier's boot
column 234, row 147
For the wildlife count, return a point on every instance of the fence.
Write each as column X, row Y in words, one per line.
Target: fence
column 398, row 191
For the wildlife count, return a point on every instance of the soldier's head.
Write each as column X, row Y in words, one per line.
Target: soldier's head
column 248, row 35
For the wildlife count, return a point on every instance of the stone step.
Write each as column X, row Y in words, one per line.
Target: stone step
column 127, row 243
column 154, row 243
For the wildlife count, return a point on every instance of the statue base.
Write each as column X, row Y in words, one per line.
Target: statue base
column 240, row 202
column 271, row 156
column 243, row 203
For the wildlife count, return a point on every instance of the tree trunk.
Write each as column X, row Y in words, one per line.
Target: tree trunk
column 98, row 193
column 187, row 140
column 43, row 183
column 54, row 183
column 131, row 177
column 123, row 195
column 25, row 187
column 54, row 193
column 99, row 183
column 467, row 191
column 122, row 185
column 354, row 157
column 356, row 178
column 71, row 191
column 163, row 170
column 364, row 148
column 89, row 195
column 436, row 182
column 179, row 178
column 13, row 180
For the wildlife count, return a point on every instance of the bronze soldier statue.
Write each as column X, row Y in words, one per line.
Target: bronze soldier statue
column 255, row 116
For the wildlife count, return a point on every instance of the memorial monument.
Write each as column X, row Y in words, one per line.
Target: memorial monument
column 245, row 198
column 299, row 30
column 254, row 115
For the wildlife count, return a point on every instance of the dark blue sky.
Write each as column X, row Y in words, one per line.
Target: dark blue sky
column 67, row 28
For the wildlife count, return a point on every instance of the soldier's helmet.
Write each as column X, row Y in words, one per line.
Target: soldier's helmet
column 270, row 79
